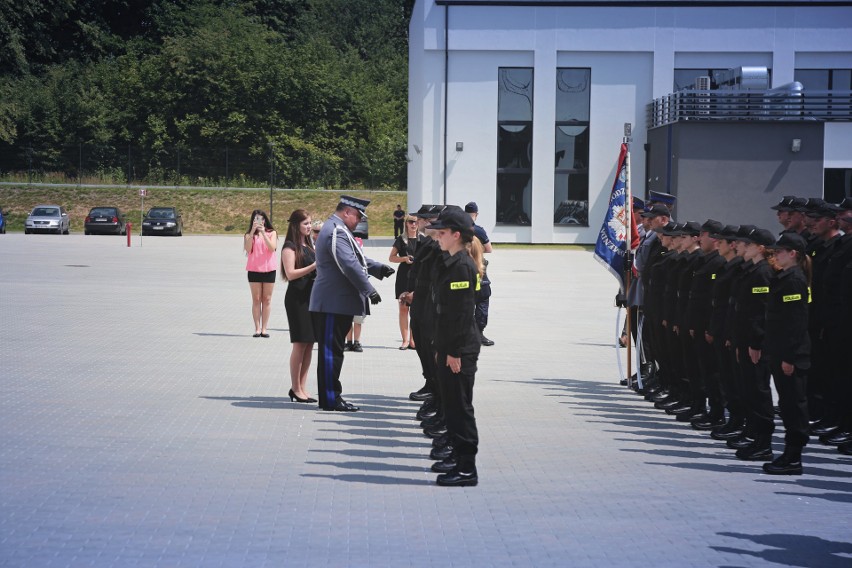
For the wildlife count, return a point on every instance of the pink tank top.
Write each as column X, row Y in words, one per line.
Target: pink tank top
column 261, row 258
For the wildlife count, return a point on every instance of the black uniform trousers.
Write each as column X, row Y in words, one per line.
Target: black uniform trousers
column 793, row 400
column 757, row 395
column 422, row 335
column 730, row 382
column 709, row 365
column 330, row 331
column 691, row 364
column 457, row 399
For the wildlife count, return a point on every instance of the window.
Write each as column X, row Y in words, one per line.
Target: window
column 571, row 179
column 837, row 184
column 514, row 145
column 685, row 78
column 824, row 79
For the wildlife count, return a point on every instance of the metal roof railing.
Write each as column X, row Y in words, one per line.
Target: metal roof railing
column 751, row 106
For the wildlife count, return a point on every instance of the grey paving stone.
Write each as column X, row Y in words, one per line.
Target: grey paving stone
column 142, row 425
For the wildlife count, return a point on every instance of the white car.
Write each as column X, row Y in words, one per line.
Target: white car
column 48, row 219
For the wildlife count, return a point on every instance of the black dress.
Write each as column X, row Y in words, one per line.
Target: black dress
column 298, row 297
column 404, row 249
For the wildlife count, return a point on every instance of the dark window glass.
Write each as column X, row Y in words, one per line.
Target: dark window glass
column 824, row 79
column 514, row 145
column 571, row 173
column 837, row 184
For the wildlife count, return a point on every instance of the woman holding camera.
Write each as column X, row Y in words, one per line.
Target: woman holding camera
column 402, row 253
column 260, row 243
column 298, row 267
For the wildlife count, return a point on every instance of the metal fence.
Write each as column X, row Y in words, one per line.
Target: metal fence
column 177, row 165
column 777, row 104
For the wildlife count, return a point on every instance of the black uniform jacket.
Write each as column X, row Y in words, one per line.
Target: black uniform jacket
column 453, row 292
column 656, row 285
column 694, row 260
column 721, row 293
column 787, row 337
column 420, row 282
column 750, row 306
column 831, row 295
column 737, row 279
column 673, row 270
column 701, row 292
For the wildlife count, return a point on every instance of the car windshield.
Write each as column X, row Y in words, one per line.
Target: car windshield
column 45, row 212
column 102, row 212
column 161, row 214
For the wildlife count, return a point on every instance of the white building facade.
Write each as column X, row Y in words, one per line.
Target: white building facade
column 520, row 106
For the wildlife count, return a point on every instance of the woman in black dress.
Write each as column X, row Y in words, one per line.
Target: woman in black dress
column 298, row 267
column 402, row 253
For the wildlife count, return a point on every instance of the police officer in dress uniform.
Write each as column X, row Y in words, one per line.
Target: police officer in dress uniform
column 341, row 291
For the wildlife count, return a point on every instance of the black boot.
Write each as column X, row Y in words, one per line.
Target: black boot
column 789, row 463
column 732, row 429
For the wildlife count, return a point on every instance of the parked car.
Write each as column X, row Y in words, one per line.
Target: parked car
column 162, row 221
column 2, row 222
column 105, row 220
column 48, row 219
column 362, row 229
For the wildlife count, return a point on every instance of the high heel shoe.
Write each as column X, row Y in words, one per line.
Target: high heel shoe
column 294, row 398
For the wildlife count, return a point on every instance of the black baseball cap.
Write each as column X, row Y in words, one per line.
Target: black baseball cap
column 817, row 207
column 742, row 232
column 428, row 211
column 728, row 232
column 689, row 229
column 786, row 203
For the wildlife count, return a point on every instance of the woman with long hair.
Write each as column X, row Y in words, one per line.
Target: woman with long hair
column 298, row 268
column 402, row 253
column 260, row 243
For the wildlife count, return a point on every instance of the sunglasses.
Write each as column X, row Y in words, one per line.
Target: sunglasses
column 411, row 222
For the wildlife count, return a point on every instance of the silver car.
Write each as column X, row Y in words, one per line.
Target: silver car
column 48, row 219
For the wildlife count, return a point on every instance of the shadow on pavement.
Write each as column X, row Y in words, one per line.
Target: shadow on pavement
column 793, row 549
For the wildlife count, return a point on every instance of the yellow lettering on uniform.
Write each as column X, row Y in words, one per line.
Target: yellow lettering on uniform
column 792, row 297
column 712, row 277
column 459, row 285
column 809, row 295
column 760, row 290
column 478, row 282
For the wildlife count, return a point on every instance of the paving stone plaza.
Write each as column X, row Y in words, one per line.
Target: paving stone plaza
column 142, row 425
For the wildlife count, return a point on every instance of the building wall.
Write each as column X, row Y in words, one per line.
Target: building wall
column 632, row 53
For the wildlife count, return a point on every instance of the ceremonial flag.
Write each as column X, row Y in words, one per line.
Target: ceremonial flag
column 612, row 245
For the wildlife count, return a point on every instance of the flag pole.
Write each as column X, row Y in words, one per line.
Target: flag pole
column 628, row 245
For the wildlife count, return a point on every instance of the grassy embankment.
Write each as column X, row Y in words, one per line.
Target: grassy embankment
column 205, row 211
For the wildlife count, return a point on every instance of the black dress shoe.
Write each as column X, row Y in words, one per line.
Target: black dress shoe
column 823, row 427
column 661, row 395
column 441, row 441
column 485, row 341
column 435, row 432
column 837, row 438
column 441, row 453
column 708, row 423
column 783, row 466
column 623, row 382
column 343, row 406
column 667, row 402
column 732, row 429
column 741, row 441
column 755, row 453
column 422, row 395
column 458, row 479
column 845, row 449
column 679, row 409
column 444, row 466
column 428, row 410
column 691, row 415
column 432, row 423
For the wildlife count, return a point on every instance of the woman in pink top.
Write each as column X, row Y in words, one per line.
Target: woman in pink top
column 261, row 243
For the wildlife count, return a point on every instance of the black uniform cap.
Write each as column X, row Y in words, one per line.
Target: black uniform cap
column 428, row 211
column 760, row 237
column 790, row 241
column 786, row 203
column 453, row 218
column 817, row 207
column 689, row 229
column 742, row 232
column 655, row 210
column 846, row 204
column 672, row 229
column 712, row 226
column 356, row 203
column 729, row 232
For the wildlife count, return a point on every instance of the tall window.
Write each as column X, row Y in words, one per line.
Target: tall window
column 514, row 145
column 571, row 179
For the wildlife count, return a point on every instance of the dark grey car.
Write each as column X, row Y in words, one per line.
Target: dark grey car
column 163, row 221
column 108, row 220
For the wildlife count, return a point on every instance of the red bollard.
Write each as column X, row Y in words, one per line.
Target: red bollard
column 127, row 229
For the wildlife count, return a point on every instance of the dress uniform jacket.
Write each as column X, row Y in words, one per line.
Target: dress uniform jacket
column 655, row 285
column 341, row 286
column 693, row 261
column 453, row 291
column 751, row 299
column 672, row 276
column 787, row 338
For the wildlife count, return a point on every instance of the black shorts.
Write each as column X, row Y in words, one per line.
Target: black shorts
column 265, row 277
